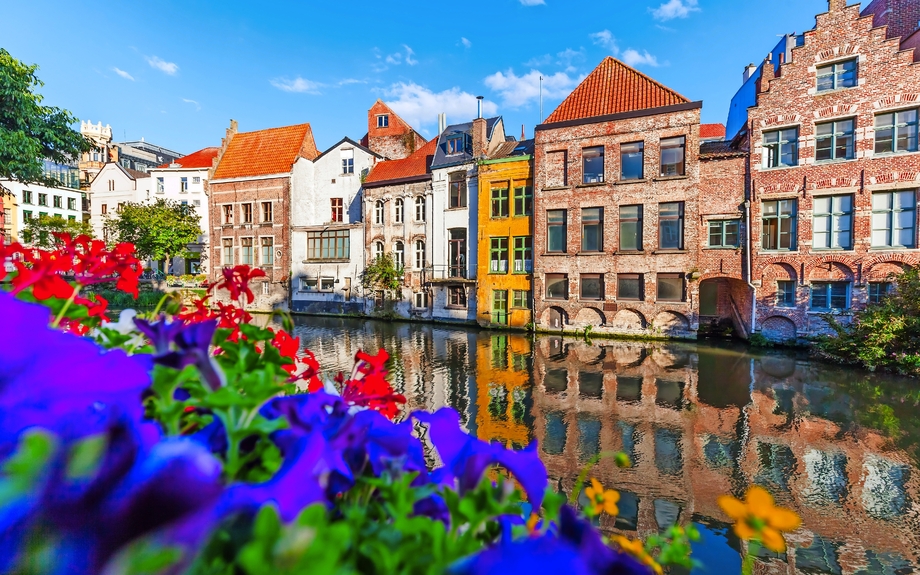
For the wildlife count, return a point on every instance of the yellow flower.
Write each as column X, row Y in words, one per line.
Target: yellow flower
column 601, row 500
column 636, row 548
column 758, row 518
column 533, row 522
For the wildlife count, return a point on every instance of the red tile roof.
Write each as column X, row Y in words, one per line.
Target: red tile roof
column 712, row 131
column 265, row 152
column 612, row 88
column 415, row 165
column 201, row 159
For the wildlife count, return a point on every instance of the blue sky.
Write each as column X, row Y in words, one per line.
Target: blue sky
column 175, row 72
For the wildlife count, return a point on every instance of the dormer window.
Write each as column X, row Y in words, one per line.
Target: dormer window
column 837, row 75
column 383, row 120
column 455, row 144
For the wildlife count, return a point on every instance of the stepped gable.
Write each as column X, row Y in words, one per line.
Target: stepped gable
column 415, row 166
column 265, row 152
column 614, row 88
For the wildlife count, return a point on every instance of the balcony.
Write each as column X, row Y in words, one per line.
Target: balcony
column 446, row 274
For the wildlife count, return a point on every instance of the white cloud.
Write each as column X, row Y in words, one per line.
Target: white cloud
column 348, row 81
column 675, row 9
column 419, row 105
column 298, row 84
column 409, row 53
column 517, row 91
column 532, row 2
column 466, row 43
column 635, row 58
column 397, row 58
column 188, row 101
column 162, row 65
column 605, row 39
column 538, row 61
column 123, row 74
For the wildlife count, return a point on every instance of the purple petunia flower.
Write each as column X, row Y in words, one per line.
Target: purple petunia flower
column 178, row 345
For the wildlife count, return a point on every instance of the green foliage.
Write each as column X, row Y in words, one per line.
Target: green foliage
column 160, row 230
column 760, row 340
column 883, row 336
column 20, row 473
column 383, row 274
column 29, row 131
column 39, row 231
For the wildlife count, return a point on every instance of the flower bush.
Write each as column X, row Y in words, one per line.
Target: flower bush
column 191, row 440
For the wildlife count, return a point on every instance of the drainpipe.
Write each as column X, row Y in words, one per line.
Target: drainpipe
column 750, row 274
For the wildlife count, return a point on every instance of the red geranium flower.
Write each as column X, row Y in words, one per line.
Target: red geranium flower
column 41, row 270
column 236, row 281
column 368, row 386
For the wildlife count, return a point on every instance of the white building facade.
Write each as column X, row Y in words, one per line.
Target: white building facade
column 111, row 188
column 33, row 200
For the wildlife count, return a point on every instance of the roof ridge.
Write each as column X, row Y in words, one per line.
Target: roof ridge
column 276, row 128
column 650, row 79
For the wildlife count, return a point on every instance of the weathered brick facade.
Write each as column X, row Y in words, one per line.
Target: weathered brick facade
column 389, row 135
column 839, row 270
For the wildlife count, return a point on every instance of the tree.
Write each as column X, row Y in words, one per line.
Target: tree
column 383, row 274
column 39, row 231
column 30, row 132
column 160, row 230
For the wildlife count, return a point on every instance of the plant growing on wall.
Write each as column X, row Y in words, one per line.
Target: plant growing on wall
column 383, row 274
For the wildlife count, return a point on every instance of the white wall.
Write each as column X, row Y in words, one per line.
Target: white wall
column 126, row 189
column 194, row 195
column 445, row 219
column 66, row 194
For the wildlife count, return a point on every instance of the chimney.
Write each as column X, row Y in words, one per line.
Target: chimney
column 766, row 74
column 836, row 5
column 479, row 106
column 442, row 122
column 479, row 132
column 748, row 72
column 523, row 137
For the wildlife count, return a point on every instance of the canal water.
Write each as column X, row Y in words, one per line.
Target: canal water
column 837, row 445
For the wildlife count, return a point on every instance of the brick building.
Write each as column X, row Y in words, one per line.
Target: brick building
column 834, row 167
column 389, row 135
column 249, row 194
column 616, row 214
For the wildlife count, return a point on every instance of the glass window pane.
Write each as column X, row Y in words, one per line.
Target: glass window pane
column 632, row 160
column 593, row 164
column 670, row 287
column 556, row 286
column 629, row 286
column 592, row 286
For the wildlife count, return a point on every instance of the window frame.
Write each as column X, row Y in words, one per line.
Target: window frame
column 267, row 255
column 834, row 217
column 835, row 74
column 670, row 276
column 873, row 293
column 183, row 185
column 581, row 286
column 420, row 255
column 456, row 297
column 639, row 222
column 500, row 205
column 399, row 211
column 379, row 218
column 267, row 209
column 773, row 152
column 679, row 218
column 246, row 213
column 523, row 250
column 723, row 233
column 891, row 214
column 337, row 210
column 383, row 120
column 456, row 252
column 783, row 293
column 247, row 251
column 597, row 223
column 669, row 144
column 623, row 160
column 562, row 231
column 520, row 299
column 420, row 208
column 640, row 284
column 227, row 258
column 523, row 201
column 592, row 154
column 498, row 255
column 828, row 287
column 564, row 278
column 833, row 137
column 792, row 216
column 399, row 254
column 895, row 126
column 457, row 192
column 347, row 156
column 328, row 245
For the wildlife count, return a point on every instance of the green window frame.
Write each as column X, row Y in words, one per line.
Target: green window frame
column 329, row 245
column 835, row 140
column 500, row 306
column 556, row 231
column 500, row 204
column 523, row 201
column 896, row 132
column 520, row 299
column 498, row 255
column 523, row 254
column 724, row 233
column 837, row 75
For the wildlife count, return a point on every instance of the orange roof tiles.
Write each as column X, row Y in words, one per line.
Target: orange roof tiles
column 203, row 158
column 415, row 165
column 264, row 152
column 612, row 88
column 712, row 131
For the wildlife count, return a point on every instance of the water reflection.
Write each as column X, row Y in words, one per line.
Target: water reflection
column 696, row 420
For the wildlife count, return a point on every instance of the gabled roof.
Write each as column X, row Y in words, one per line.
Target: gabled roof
column 716, row 150
column 465, row 130
column 132, row 174
column 511, row 148
column 353, row 143
column 203, row 158
column 415, row 167
column 614, row 88
column 264, row 152
column 712, row 131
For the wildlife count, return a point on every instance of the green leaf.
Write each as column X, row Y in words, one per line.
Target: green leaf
column 85, row 456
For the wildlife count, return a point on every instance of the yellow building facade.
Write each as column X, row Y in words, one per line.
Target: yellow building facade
column 504, row 297
column 8, row 216
column 503, row 390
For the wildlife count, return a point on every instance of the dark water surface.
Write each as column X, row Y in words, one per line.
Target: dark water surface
column 837, row 445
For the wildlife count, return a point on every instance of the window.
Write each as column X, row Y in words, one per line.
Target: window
column 592, row 229
column 500, row 202
column 592, row 286
column 326, row 284
column 894, row 219
column 383, row 121
column 228, row 214
column 246, row 253
column 378, row 212
column 72, row 204
column 833, row 223
column 330, row 245
column 630, row 228
column 419, row 254
column 557, row 286
column 42, row 199
column 111, row 185
column 896, row 132
column 183, row 185
column 629, row 287
column 196, row 202
column 785, row 293
column 834, row 140
column 27, row 196
column 420, row 208
column 555, row 231
column 268, row 251
column 778, row 223
column 228, row 251
column 266, row 288
column 400, row 214
column 671, row 226
column 498, row 256
column 670, row 287
column 556, row 172
column 27, row 214
column 266, row 211
column 456, row 296
column 781, row 148
column 830, row 295
column 632, row 161
column 878, row 291
column 348, row 161
column 837, row 75
column 520, row 299
column 523, row 201
column 672, row 156
column 455, row 145
column 308, row 284
column 378, row 250
column 724, row 233
column 456, row 253
column 523, row 255
column 247, row 213
column 593, row 164
column 338, row 210
column 160, row 187
column 457, row 190
column 420, row 299
column 196, row 179
column 399, row 255
column 58, row 202
column 119, row 207
column 72, row 218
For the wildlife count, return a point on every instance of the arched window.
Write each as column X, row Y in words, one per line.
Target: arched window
column 419, row 254
column 399, row 254
column 400, row 211
column 420, row 208
column 378, row 212
column 378, row 250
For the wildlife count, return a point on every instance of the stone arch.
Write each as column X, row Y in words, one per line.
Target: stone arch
column 628, row 320
column 671, row 322
column 829, row 269
column 590, row 316
column 554, row 317
column 778, row 271
column 778, row 328
column 883, row 271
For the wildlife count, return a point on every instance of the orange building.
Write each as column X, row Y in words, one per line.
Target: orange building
column 503, row 389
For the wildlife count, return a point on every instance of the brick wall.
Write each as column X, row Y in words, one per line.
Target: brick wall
column 395, row 141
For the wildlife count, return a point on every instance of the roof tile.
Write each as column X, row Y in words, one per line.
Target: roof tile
column 417, row 164
column 264, row 152
column 712, row 131
column 203, row 158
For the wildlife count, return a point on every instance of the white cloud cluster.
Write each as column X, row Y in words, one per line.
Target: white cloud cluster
column 162, row 65
column 675, row 9
column 405, row 57
column 517, row 91
column 630, row 56
column 605, row 39
column 532, row 2
column 420, row 106
column 123, row 74
column 298, row 85
column 466, row 43
column 636, row 58
column 190, row 101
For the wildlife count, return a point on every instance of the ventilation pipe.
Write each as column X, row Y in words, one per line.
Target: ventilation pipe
column 479, row 106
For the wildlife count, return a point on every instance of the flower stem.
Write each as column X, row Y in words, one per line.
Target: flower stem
column 70, row 300
column 747, row 567
column 156, row 310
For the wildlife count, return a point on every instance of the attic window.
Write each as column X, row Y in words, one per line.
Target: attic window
column 455, row 144
column 383, row 121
